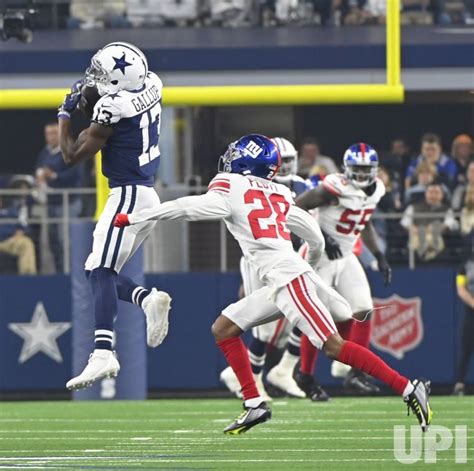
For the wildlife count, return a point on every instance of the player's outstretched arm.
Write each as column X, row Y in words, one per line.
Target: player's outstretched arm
column 369, row 237
column 305, row 226
column 89, row 142
column 315, row 198
column 210, row 206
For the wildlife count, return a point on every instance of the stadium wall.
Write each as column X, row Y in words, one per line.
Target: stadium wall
column 417, row 333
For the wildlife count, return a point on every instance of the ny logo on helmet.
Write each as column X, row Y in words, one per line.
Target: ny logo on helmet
column 252, row 150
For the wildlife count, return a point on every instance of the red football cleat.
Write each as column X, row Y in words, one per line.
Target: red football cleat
column 121, row 220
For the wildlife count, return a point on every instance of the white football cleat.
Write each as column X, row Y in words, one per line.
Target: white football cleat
column 157, row 307
column 261, row 388
column 283, row 379
column 102, row 364
column 339, row 370
column 231, row 382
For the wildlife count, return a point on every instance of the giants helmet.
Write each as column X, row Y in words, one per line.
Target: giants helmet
column 289, row 159
column 117, row 66
column 253, row 154
column 360, row 164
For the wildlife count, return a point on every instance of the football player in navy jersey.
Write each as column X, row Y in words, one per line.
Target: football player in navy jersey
column 125, row 126
column 280, row 333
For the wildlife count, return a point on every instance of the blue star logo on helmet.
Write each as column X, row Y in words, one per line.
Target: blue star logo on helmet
column 121, row 63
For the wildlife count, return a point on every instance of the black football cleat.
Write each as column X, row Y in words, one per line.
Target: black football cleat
column 418, row 402
column 358, row 382
column 312, row 389
column 250, row 417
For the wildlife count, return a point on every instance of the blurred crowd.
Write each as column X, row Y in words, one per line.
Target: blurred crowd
column 93, row 14
column 428, row 209
column 432, row 189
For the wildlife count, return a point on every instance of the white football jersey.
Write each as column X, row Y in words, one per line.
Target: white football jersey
column 260, row 215
column 345, row 220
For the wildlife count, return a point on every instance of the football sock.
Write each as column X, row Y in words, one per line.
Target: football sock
column 288, row 361
column 345, row 329
column 309, row 355
column 366, row 361
column 360, row 333
column 104, row 294
column 294, row 342
column 257, row 355
column 237, row 357
column 129, row 291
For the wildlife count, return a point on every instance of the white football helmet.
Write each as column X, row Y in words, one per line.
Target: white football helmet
column 289, row 159
column 117, row 66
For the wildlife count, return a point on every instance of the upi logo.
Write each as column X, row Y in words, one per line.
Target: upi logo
column 409, row 443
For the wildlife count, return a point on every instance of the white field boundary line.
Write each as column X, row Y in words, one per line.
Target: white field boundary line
column 207, row 439
column 233, row 450
column 47, row 459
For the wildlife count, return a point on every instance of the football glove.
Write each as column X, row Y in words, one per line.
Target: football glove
column 121, row 220
column 71, row 100
column 384, row 268
column 332, row 248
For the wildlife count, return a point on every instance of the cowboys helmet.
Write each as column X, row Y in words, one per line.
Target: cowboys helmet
column 253, row 154
column 360, row 164
column 289, row 159
column 117, row 66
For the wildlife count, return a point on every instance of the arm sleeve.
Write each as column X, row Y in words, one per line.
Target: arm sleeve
column 305, row 226
column 210, row 206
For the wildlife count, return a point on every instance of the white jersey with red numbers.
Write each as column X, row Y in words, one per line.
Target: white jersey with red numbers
column 260, row 215
column 345, row 220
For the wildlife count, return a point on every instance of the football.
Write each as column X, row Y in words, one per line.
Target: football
column 90, row 96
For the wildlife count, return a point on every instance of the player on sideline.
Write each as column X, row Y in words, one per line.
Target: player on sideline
column 278, row 333
column 125, row 126
column 260, row 214
column 345, row 204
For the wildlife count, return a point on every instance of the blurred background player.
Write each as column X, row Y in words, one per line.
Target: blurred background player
column 126, row 127
column 345, row 204
column 278, row 334
column 261, row 215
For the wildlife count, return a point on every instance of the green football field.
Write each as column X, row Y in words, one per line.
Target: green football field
column 344, row 434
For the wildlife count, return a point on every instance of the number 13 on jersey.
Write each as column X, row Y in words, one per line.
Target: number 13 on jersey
column 150, row 126
column 274, row 208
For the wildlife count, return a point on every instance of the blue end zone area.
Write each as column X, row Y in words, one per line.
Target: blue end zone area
column 208, row 49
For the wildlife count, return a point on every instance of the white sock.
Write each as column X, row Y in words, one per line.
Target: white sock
column 409, row 388
column 254, row 402
column 288, row 361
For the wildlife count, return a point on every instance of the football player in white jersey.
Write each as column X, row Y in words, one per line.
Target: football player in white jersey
column 345, row 203
column 261, row 214
column 125, row 127
column 278, row 334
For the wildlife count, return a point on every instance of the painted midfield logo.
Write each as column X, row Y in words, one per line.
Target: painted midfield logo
column 40, row 335
column 397, row 326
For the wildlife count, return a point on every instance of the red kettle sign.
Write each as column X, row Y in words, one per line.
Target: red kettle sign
column 397, row 326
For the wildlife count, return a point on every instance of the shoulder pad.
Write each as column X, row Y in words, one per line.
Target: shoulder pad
column 220, row 183
column 380, row 189
column 108, row 110
column 335, row 183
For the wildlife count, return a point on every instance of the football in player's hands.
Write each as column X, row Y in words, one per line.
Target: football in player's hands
column 90, row 96
column 121, row 220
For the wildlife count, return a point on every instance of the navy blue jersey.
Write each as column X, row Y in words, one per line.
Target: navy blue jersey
column 131, row 155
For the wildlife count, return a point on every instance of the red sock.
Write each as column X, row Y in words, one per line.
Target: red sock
column 360, row 333
column 344, row 328
column 363, row 359
column 309, row 355
column 238, row 358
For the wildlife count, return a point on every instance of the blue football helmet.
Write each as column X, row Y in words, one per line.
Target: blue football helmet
column 253, row 154
column 360, row 164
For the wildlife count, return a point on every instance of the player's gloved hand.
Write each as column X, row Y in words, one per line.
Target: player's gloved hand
column 121, row 220
column 71, row 100
column 384, row 267
column 332, row 248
